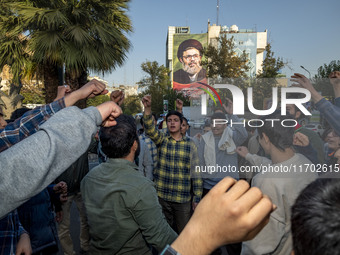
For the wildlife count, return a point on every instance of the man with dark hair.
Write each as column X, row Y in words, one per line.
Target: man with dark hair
column 122, row 206
column 226, row 214
column 189, row 53
column 185, row 126
column 315, row 223
column 313, row 137
column 281, row 178
column 173, row 176
column 217, row 150
column 18, row 113
column 21, row 128
column 330, row 112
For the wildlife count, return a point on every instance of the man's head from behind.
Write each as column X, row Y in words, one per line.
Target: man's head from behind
column 315, row 219
column 118, row 141
column 276, row 134
column 292, row 109
column 189, row 53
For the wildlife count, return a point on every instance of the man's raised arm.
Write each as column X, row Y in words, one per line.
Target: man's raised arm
column 31, row 165
column 155, row 135
column 229, row 213
column 28, row 124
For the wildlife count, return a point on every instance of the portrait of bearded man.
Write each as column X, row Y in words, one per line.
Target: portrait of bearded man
column 189, row 53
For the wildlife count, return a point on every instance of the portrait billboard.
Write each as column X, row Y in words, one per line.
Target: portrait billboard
column 188, row 72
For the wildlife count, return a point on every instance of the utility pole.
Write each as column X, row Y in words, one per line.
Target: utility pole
column 218, row 11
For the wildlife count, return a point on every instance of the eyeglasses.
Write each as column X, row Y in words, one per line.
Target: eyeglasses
column 195, row 56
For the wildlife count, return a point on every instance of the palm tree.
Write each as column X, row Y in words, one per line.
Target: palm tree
column 13, row 53
column 78, row 35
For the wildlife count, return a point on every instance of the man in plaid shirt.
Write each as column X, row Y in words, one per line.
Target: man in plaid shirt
column 176, row 183
column 151, row 145
column 13, row 237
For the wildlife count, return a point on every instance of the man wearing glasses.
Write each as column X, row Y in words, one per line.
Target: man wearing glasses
column 189, row 53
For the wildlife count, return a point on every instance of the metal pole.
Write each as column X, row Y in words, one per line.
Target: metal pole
column 310, row 76
column 218, row 11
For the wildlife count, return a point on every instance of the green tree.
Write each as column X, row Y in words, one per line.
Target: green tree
column 321, row 80
column 171, row 95
column 155, row 82
column 95, row 101
column 271, row 66
column 132, row 105
column 32, row 98
column 223, row 62
column 33, row 93
column 223, row 65
column 13, row 53
column 266, row 78
column 77, row 35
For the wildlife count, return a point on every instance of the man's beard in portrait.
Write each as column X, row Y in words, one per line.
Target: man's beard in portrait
column 194, row 69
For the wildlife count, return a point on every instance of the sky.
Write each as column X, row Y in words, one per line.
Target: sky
column 302, row 32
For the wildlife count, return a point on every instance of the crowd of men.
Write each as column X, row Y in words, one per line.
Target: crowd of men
column 162, row 191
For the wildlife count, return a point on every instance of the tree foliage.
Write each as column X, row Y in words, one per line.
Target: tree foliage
column 156, row 82
column 77, row 35
column 325, row 70
column 224, row 65
column 266, row 79
column 271, row 66
column 321, row 80
column 132, row 105
column 223, row 61
column 95, row 101
column 171, row 95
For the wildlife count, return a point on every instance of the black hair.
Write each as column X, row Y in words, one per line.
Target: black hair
column 142, row 119
column 315, row 220
column 333, row 161
column 184, row 118
column 218, row 109
column 296, row 96
column 326, row 133
column 218, row 115
column 250, row 128
column 117, row 140
column 280, row 136
column 18, row 113
column 174, row 113
column 207, row 124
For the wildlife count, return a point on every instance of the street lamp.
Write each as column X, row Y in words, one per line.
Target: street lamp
column 310, row 77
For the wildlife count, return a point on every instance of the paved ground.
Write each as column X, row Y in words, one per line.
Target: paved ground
column 75, row 222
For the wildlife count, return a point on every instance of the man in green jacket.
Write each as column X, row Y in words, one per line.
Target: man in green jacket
column 122, row 205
